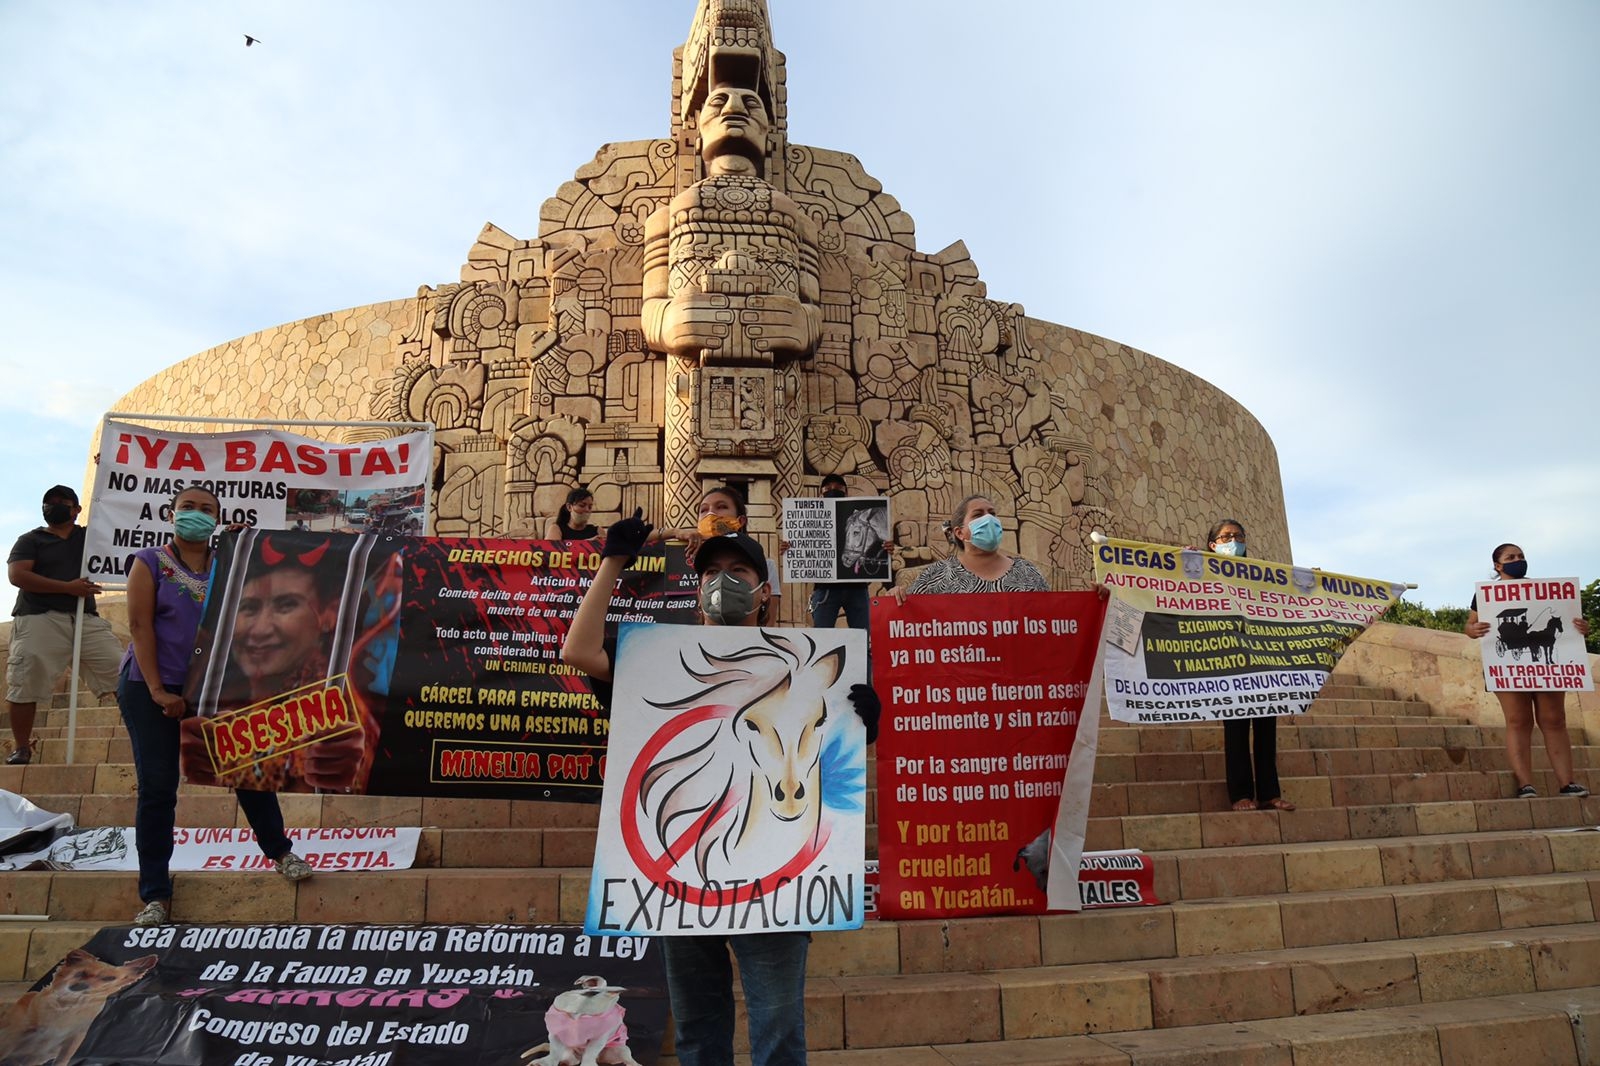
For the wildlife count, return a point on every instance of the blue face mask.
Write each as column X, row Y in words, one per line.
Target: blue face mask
column 1518, row 568
column 1229, row 547
column 985, row 532
column 194, row 526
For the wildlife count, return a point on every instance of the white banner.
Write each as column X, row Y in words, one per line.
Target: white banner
column 839, row 539
column 735, row 783
column 1531, row 645
column 227, row 848
column 265, row 478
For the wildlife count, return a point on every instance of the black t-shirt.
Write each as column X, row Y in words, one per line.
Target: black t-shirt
column 58, row 558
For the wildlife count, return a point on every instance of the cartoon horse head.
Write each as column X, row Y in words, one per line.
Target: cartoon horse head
column 759, row 775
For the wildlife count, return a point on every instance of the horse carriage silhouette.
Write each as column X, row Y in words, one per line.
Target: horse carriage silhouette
column 1514, row 634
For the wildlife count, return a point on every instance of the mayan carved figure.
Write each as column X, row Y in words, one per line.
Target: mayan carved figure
column 720, row 305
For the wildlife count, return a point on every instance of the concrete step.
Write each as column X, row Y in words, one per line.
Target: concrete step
column 1555, row 1028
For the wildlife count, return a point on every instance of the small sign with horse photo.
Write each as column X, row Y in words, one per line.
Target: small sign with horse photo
column 836, row 539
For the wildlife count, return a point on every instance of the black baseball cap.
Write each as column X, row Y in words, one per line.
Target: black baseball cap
column 741, row 543
column 59, row 492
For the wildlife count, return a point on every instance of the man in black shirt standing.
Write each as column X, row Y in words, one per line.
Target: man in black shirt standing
column 45, row 565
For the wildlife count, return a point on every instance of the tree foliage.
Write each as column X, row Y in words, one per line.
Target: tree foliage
column 1406, row 613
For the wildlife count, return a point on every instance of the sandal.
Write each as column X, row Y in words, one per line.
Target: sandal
column 1278, row 804
column 1245, row 805
column 20, row 757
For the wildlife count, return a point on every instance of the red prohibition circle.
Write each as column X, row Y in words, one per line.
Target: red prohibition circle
column 659, row 868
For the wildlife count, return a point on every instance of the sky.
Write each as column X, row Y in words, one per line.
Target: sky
column 1372, row 222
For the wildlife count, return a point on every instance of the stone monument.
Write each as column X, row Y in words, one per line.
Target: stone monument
column 722, row 306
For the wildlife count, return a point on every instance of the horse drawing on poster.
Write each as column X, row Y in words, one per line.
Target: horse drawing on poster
column 865, row 532
column 748, row 783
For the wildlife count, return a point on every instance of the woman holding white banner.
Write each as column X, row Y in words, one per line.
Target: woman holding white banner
column 978, row 564
column 1522, row 709
column 167, row 589
column 1252, row 778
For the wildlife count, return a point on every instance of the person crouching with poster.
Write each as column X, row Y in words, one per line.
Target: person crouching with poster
column 978, row 564
column 167, row 589
column 733, row 592
column 1522, row 709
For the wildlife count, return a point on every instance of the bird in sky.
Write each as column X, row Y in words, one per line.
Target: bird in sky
column 249, row 40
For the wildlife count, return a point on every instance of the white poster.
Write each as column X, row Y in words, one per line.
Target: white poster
column 735, row 783
column 839, row 539
column 1531, row 645
column 264, row 478
column 227, row 848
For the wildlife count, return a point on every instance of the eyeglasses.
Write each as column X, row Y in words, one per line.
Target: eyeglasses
column 1229, row 538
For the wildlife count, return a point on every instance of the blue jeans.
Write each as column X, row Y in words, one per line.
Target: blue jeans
column 772, row 969
column 155, row 765
column 827, row 600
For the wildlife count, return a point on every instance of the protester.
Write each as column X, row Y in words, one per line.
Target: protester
column 572, row 519
column 166, row 595
column 723, row 511
column 978, row 564
column 829, row 598
column 733, row 591
column 1252, row 780
column 1522, row 709
column 44, row 565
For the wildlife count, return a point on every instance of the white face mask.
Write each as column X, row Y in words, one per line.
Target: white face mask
column 1229, row 547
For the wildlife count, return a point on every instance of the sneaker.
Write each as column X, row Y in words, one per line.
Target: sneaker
column 1572, row 788
column 1527, row 792
column 292, row 867
column 20, row 757
column 156, row 912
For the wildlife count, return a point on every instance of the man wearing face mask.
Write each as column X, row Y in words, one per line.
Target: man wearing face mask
column 733, row 592
column 45, row 565
column 829, row 598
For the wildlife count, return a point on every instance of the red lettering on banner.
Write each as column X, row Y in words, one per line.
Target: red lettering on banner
column 240, row 455
column 378, row 462
column 152, row 450
column 346, row 468
column 282, row 724
column 311, row 460
column 278, row 459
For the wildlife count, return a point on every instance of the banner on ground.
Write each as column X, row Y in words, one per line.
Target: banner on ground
column 358, row 995
column 1197, row 637
column 406, row 666
column 266, row 478
column 112, row 847
column 983, row 699
column 839, row 540
column 735, row 793
column 1531, row 645
column 1123, row 878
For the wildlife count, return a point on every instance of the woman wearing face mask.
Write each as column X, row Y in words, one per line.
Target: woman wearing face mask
column 1252, row 782
column 166, row 594
column 733, row 592
column 722, row 511
column 1522, row 709
column 572, row 520
column 978, row 564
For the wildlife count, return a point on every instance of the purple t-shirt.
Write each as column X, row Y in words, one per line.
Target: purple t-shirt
column 180, row 600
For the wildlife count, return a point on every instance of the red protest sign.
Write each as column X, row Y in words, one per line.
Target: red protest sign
column 982, row 697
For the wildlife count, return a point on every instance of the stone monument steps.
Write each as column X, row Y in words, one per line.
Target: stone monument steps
column 1325, row 761
column 1555, row 1028
column 1324, row 791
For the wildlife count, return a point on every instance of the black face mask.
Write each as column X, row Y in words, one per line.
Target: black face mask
column 1518, row 569
column 834, row 494
column 56, row 514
